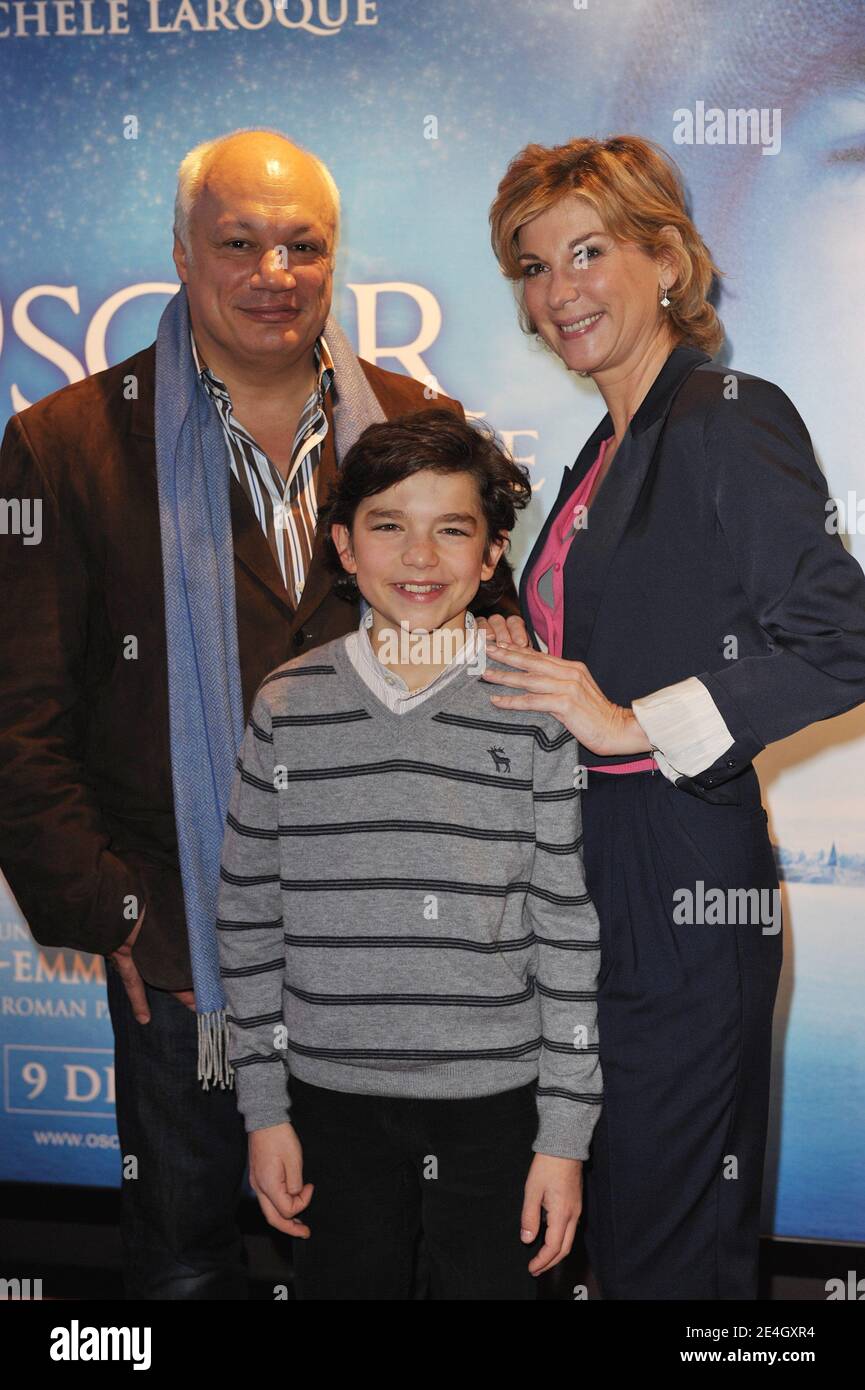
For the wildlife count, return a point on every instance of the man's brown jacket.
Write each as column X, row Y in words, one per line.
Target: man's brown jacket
column 87, row 831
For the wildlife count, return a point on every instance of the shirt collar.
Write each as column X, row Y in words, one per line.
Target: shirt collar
column 467, row 654
column 321, row 355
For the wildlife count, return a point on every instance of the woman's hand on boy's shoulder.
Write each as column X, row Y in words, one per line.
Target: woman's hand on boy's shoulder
column 276, row 1177
column 501, row 629
column 556, row 1186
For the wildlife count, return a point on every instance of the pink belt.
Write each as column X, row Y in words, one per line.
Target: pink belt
column 640, row 765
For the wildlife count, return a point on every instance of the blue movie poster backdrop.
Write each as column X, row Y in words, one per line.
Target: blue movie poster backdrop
column 417, row 109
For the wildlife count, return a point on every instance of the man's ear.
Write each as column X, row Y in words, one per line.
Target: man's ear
column 181, row 260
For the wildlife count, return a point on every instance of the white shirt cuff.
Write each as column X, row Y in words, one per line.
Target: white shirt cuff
column 686, row 727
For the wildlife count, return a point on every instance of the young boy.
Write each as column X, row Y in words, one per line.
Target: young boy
column 408, row 949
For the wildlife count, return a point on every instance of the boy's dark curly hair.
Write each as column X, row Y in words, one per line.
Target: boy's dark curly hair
column 387, row 453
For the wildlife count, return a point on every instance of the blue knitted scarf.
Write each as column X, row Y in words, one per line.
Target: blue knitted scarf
column 204, row 689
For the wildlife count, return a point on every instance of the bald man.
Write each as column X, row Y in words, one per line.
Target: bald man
column 87, row 809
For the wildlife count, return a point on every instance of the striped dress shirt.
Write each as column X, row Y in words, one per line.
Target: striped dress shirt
column 287, row 510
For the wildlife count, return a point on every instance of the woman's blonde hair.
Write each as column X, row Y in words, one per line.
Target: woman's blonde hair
column 636, row 189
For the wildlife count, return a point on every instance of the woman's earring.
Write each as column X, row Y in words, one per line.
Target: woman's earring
column 665, row 301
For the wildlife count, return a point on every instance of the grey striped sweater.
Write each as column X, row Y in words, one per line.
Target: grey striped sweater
column 402, row 907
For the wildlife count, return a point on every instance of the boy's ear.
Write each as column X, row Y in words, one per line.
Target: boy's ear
column 341, row 537
column 495, row 550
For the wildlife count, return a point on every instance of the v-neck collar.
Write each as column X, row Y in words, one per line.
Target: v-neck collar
column 613, row 504
column 377, row 707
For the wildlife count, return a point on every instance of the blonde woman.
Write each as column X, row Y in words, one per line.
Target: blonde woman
column 686, row 605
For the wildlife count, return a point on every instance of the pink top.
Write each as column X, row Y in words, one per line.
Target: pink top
column 547, row 621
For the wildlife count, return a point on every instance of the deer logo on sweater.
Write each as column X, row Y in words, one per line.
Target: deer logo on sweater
column 503, row 764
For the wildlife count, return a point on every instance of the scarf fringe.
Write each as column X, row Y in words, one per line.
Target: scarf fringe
column 214, row 1068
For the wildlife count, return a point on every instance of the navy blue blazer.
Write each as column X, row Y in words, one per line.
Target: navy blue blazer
column 711, row 524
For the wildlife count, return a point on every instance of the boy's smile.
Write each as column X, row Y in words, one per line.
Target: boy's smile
column 419, row 593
